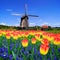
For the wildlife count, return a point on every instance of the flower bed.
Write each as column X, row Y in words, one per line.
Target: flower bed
column 29, row 45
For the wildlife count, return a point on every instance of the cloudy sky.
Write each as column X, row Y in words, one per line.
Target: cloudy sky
column 47, row 10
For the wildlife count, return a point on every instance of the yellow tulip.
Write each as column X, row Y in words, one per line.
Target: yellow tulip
column 7, row 36
column 44, row 49
column 24, row 43
column 33, row 40
column 57, row 41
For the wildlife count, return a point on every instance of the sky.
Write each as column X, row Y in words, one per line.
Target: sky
column 47, row 10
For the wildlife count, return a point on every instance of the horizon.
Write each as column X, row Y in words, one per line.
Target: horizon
column 48, row 12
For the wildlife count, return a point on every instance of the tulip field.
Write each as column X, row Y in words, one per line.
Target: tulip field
column 29, row 45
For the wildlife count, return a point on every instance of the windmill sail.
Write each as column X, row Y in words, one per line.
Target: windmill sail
column 33, row 15
column 25, row 9
column 24, row 19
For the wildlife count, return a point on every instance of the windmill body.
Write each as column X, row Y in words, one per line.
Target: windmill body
column 24, row 22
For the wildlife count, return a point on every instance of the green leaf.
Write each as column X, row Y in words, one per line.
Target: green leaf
column 14, row 55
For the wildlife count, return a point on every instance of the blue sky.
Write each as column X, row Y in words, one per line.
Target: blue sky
column 47, row 10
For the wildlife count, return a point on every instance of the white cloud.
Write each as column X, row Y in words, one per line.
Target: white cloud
column 8, row 9
column 5, row 24
column 2, row 23
column 16, row 14
column 56, row 25
column 45, row 23
column 17, row 25
column 32, row 24
column 38, row 21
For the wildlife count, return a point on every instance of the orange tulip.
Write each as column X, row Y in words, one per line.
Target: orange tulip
column 24, row 43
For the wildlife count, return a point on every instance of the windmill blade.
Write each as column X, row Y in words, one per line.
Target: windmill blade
column 33, row 15
column 25, row 9
column 16, row 14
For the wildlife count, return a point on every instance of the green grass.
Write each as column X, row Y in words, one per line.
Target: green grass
column 54, row 31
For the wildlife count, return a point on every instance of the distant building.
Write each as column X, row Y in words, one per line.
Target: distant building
column 44, row 27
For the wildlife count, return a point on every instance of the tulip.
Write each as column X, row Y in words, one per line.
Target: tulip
column 44, row 49
column 37, row 36
column 50, row 38
column 7, row 36
column 3, row 33
column 33, row 40
column 0, row 34
column 57, row 41
column 45, row 41
column 26, row 34
column 15, row 36
column 24, row 43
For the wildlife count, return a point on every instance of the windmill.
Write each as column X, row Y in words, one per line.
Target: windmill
column 24, row 19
